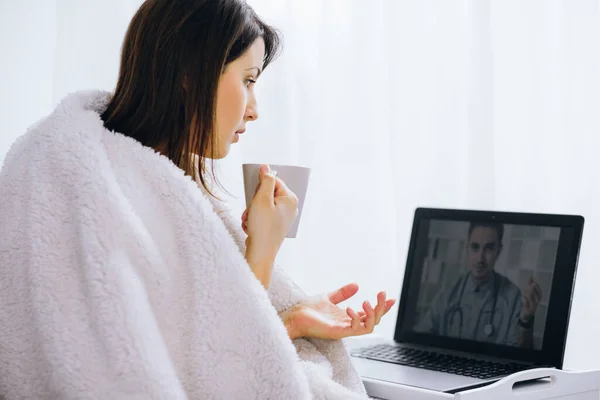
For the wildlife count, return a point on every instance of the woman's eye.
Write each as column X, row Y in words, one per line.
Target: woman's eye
column 250, row 81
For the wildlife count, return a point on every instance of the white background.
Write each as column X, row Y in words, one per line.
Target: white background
column 489, row 104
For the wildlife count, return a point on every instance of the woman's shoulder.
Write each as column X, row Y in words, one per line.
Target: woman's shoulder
column 58, row 135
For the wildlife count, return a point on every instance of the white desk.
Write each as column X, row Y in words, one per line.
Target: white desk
column 561, row 385
column 525, row 385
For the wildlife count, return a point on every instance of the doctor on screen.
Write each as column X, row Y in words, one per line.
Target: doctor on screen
column 484, row 305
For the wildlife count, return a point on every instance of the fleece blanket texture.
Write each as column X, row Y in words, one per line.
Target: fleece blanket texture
column 120, row 278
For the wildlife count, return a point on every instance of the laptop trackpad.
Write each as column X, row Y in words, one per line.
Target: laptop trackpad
column 409, row 376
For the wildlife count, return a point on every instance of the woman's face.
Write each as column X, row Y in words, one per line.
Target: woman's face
column 236, row 102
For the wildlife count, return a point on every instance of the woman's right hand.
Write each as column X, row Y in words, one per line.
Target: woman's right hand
column 267, row 221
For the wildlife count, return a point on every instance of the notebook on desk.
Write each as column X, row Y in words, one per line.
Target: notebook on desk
column 485, row 294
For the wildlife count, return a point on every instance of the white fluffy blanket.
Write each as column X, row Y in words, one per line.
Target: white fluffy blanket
column 121, row 279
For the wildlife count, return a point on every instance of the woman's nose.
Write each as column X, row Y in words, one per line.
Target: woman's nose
column 251, row 114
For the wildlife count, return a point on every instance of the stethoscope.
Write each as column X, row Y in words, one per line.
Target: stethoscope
column 488, row 328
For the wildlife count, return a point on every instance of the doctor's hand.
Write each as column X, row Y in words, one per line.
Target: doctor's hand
column 320, row 317
column 531, row 299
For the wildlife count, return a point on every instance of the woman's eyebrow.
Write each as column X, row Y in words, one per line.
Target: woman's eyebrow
column 258, row 70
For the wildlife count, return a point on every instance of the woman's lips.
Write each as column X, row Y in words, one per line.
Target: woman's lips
column 236, row 137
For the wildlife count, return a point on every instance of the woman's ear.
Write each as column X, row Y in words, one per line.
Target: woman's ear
column 185, row 82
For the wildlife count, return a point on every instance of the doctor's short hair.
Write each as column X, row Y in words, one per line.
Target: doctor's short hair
column 494, row 225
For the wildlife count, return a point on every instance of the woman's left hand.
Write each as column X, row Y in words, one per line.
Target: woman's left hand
column 320, row 317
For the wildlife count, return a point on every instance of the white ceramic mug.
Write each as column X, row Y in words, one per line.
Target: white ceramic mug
column 295, row 178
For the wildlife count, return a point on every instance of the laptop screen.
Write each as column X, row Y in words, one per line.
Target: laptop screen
column 486, row 281
column 490, row 283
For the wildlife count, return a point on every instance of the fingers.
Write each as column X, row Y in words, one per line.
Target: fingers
column 535, row 287
column 370, row 313
column 343, row 293
column 380, row 307
column 245, row 221
column 538, row 291
column 282, row 190
column 526, row 302
column 355, row 323
column 533, row 294
column 272, row 186
column 389, row 303
column 274, row 190
column 364, row 322
column 268, row 181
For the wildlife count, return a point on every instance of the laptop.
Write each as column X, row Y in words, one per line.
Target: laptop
column 485, row 294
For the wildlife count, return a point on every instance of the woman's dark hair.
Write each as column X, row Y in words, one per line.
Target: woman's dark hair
column 172, row 57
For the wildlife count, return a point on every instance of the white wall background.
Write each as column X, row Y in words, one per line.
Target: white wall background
column 394, row 104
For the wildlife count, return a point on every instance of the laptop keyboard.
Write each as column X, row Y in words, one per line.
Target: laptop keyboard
column 438, row 362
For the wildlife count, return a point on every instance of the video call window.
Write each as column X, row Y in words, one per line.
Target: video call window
column 486, row 282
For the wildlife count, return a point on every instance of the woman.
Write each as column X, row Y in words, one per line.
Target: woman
column 123, row 275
